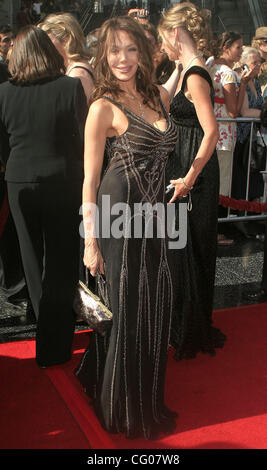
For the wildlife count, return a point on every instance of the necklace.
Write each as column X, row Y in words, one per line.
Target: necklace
column 142, row 111
column 190, row 62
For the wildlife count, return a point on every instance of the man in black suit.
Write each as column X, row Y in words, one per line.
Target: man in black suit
column 6, row 41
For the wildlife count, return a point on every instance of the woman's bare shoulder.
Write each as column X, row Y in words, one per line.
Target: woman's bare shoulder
column 101, row 105
column 101, row 112
column 104, row 111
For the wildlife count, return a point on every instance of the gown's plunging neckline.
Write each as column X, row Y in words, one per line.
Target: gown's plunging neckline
column 123, row 107
column 149, row 123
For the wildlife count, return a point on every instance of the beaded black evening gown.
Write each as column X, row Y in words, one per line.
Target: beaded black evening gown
column 124, row 372
column 191, row 329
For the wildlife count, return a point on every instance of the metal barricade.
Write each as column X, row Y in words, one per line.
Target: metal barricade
column 234, row 217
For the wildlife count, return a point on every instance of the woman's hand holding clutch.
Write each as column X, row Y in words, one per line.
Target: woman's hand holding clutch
column 92, row 257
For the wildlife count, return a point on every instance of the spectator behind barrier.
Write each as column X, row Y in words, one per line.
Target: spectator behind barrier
column 6, row 41
column 227, row 104
column 259, row 42
column 251, row 107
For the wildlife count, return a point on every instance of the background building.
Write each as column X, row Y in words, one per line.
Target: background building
column 243, row 16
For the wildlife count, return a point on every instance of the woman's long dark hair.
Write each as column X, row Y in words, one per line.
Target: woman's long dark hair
column 105, row 80
column 34, row 57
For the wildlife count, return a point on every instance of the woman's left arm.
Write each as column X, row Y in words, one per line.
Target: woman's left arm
column 246, row 111
column 199, row 90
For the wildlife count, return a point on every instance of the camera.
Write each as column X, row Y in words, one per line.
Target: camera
column 245, row 67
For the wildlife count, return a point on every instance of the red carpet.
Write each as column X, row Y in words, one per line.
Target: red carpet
column 221, row 400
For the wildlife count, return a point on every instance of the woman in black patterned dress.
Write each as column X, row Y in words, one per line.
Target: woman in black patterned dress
column 194, row 162
column 124, row 372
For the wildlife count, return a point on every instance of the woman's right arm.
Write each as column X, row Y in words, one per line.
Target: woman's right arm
column 98, row 123
column 233, row 98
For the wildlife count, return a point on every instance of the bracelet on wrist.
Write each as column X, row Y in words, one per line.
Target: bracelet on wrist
column 186, row 185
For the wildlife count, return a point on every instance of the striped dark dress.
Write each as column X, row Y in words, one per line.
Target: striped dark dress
column 124, row 372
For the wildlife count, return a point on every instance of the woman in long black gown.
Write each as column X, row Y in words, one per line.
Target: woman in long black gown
column 194, row 162
column 124, row 372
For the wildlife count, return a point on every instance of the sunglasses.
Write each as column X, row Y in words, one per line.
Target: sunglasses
column 8, row 39
column 264, row 40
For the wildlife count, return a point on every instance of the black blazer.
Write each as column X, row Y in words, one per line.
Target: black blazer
column 4, row 75
column 41, row 129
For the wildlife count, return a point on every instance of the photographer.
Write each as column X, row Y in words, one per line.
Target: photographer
column 140, row 14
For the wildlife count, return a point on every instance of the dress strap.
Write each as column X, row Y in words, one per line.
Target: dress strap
column 117, row 103
column 197, row 70
column 84, row 68
column 165, row 112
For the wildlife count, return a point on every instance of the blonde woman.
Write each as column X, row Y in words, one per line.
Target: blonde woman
column 67, row 36
column 193, row 169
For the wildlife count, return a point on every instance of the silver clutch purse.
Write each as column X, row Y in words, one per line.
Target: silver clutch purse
column 89, row 308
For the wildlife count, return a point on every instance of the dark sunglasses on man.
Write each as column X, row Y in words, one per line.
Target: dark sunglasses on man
column 7, row 39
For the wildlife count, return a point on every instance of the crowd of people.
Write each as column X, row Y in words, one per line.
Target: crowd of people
column 125, row 112
column 30, row 11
